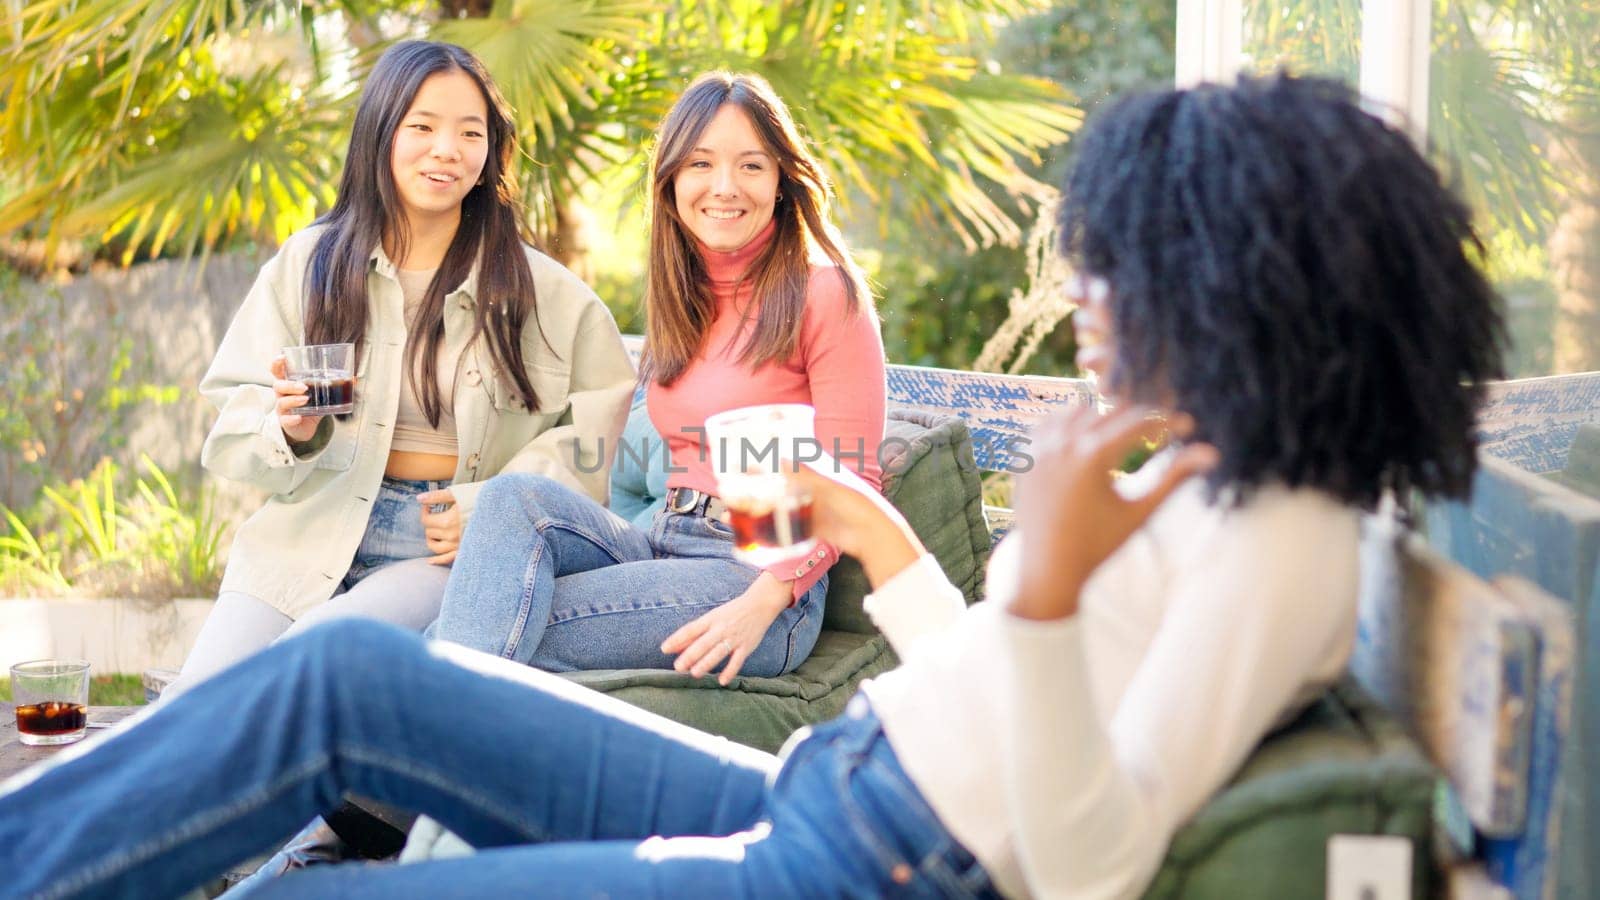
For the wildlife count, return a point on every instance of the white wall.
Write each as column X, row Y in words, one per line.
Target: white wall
column 113, row 635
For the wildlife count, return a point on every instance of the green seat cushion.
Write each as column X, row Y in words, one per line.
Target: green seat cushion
column 760, row 712
column 1344, row 766
column 931, row 477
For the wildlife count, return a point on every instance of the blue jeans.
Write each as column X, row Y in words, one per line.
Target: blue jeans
column 577, row 793
column 389, row 579
column 394, row 528
column 550, row 578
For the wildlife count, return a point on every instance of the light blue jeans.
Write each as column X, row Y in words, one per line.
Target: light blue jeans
column 579, row 793
column 389, row 579
column 394, row 529
column 550, row 578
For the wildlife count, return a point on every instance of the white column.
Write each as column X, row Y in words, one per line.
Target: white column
column 1396, row 38
column 1209, row 41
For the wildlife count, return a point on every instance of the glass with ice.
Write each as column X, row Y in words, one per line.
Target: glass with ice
column 52, row 698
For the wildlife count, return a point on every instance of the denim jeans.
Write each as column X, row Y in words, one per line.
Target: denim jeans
column 571, row 792
column 394, row 529
column 548, row 577
column 389, row 579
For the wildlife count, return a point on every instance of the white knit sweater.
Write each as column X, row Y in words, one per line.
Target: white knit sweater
column 1065, row 754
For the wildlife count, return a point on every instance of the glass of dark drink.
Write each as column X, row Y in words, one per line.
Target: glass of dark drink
column 52, row 697
column 328, row 372
column 769, row 512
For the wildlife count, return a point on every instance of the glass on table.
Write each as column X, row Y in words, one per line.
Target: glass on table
column 52, row 699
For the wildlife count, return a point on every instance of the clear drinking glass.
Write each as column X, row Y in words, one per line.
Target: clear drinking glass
column 52, row 697
column 328, row 372
column 769, row 512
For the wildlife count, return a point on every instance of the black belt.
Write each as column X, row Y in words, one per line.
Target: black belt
column 690, row 502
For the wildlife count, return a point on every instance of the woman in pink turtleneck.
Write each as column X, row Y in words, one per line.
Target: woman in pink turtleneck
column 751, row 300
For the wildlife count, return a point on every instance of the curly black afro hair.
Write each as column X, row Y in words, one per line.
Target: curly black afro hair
column 1290, row 271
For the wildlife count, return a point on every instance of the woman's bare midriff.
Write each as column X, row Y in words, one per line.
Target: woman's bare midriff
column 410, row 465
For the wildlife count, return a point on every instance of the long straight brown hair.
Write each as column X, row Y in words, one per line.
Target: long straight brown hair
column 679, row 306
column 368, row 207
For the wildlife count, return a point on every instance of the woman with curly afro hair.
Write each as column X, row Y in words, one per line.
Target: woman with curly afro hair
column 1287, row 270
column 1269, row 274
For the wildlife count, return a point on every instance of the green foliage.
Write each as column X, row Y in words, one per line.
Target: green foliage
column 941, row 300
column 151, row 123
column 26, row 565
column 1304, row 36
column 70, row 388
column 88, row 508
column 1096, row 49
column 183, row 537
column 144, row 135
column 939, row 307
column 82, row 539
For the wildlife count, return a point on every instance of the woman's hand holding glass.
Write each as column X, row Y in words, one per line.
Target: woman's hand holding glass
column 849, row 514
column 291, row 395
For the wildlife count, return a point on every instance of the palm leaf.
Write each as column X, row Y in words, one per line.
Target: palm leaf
column 246, row 157
column 57, row 35
column 137, row 136
column 558, row 63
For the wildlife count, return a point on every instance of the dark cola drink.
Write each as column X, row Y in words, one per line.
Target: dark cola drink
column 765, row 532
column 329, row 395
column 52, row 722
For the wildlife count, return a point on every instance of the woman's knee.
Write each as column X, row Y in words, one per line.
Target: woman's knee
column 515, row 494
column 357, row 646
column 507, row 490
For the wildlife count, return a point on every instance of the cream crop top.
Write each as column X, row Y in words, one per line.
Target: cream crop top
column 411, row 429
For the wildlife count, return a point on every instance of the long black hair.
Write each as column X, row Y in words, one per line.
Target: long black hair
column 1291, row 272
column 368, row 208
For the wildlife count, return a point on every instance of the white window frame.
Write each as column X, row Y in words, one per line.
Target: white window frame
column 1395, row 41
column 1209, row 41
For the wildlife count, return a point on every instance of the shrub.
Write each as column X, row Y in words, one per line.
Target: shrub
column 80, row 539
column 72, row 380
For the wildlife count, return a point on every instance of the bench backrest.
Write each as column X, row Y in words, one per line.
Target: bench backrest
column 1531, row 422
column 1528, row 422
column 1482, row 675
column 1531, row 527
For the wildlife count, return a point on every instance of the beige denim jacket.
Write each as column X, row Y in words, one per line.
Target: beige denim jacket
column 293, row 552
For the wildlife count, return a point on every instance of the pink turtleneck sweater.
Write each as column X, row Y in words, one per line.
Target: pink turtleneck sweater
column 837, row 367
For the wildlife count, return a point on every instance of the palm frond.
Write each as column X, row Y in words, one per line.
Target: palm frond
column 559, row 64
